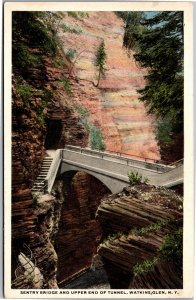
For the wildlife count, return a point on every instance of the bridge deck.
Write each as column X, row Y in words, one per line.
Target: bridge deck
column 112, row 169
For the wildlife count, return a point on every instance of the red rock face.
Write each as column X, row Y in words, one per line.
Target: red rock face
column 114, row 106
column 28, row 149
column 79, row 233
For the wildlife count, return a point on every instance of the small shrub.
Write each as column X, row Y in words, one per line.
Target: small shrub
column 74, row 30
column 114, row 236
column 84, row 114
column 146, row 180
column 149, row 228
column 46, row 96
column 172, row 247
column 96, row 139
column 136, row 178
column 24, row 58
column 71, row 53
column 145, row 266
column 77, row 14
column 64, row 80
column 81, row 110
column 110, row 238
column 73, row 14
column 84, row 122
column 40, row 118
column 24, row 91
column 59, row 62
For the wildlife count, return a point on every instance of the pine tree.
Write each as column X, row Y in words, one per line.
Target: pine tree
column 158, row 46
column 100, row 60
column 133, row 27
column 160, row 50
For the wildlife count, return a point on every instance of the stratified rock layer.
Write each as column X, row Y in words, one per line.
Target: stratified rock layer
column 28, row 149
column 163, row 275
column 79, row 233
column 138, row 207
column 114, row 106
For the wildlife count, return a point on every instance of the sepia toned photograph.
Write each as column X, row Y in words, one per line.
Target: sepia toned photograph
column 97, row 150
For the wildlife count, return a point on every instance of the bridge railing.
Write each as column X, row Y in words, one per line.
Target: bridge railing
column 122, row 158
column 177, row 163
column 53, row 170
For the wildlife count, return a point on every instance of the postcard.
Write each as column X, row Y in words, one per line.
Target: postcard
column 98, row 147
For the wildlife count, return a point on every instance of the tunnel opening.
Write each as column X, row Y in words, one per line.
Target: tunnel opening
column 54, row 131
column 79, row 232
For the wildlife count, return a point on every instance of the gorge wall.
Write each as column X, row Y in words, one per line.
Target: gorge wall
column 32, row 222
column 114, row 106
column 142, row 238
column 79, row 233
column 61, row 230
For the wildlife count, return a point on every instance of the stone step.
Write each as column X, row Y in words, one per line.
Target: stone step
column 35, row 190
column 45, row 167
column 39, row 182
column 36, row 184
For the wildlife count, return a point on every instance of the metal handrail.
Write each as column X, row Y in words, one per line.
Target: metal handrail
column 156, row 167
column 178, row 162
column 117, row 153
column 159, row 168
column 125, row 156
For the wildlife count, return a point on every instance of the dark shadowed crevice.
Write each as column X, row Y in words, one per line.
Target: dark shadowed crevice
column 79, row 233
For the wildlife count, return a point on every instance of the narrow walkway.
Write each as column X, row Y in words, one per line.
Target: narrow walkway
column 51, row 153
column 113, row 169
column 110, row 169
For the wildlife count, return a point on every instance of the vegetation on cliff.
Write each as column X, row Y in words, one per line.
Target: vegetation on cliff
column 100, row 60
column 157, row 42
column 136, row 178
column 35, row 38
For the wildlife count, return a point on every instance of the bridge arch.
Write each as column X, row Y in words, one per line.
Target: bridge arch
column 114, row 185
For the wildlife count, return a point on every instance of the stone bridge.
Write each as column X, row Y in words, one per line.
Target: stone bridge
column 112, row 169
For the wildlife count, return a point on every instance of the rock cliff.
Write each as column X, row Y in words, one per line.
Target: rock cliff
column 81, row 195
column 37, row 125
column 135, row 224
column 114, row 106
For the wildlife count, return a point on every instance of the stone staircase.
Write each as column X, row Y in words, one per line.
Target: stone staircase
column 39, row 183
